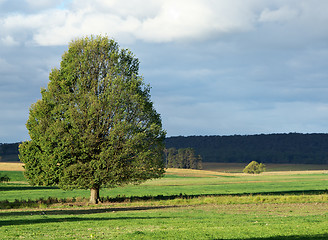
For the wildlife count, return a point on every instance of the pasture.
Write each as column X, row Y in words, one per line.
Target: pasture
column 270, row 167
column 185, row 204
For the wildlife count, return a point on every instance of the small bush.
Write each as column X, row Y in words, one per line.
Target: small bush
column 4, row 178
column 254, row 168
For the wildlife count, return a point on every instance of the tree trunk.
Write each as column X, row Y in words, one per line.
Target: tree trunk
column 94, row 195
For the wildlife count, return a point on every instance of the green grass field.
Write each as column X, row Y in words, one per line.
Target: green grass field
column 185, row 204
column 239, row 221
column 176, row 185
column 270, row 167
column 16, row 176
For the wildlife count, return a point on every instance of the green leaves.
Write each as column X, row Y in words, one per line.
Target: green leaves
column 254, row 168
column 95, row 124
column 182, row 158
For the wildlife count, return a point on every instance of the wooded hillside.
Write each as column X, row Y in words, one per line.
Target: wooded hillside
column 9, row 152
column 267, row 148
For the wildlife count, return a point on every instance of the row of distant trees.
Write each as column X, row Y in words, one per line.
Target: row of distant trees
column 293, row 148
column 182, row 158
column 9, row 152
column 174, row 158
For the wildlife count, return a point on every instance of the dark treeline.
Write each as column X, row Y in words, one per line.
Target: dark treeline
column 9, row 152
column 267, row 148
column 292, row 148
column 182, row 158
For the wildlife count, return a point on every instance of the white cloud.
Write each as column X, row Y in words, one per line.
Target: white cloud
column 215, row 67
column 176, row 20
column 163, row 21
column 42, row 4
column 9, row 41
column 151, row 21
column 16, row 22
column 282, row 14
column 140, row 9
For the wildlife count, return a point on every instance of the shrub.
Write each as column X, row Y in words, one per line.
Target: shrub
column 4, row 178
column 254, row 168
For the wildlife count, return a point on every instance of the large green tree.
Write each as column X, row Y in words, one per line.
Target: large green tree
column 95, row 125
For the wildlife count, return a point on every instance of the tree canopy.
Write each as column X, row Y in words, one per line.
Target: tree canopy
column 95, row 125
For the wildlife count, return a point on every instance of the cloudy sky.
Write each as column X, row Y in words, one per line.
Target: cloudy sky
column 216, row 67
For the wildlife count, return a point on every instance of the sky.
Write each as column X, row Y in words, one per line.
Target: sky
column 216, row 67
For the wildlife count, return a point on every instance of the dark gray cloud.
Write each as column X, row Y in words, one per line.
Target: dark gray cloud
column 225, row 67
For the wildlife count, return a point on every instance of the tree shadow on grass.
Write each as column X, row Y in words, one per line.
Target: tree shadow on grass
column 47, row 219
column 295, row 237
column 46, row 215
column 24, row 187
column 190, row 196
column 35, row 203
column 79, row 211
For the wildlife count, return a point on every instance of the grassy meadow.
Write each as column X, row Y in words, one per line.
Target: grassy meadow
column 185, row 204
column 270, row 167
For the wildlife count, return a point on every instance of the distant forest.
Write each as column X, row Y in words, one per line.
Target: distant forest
column 9, row 152
column 292, row 148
